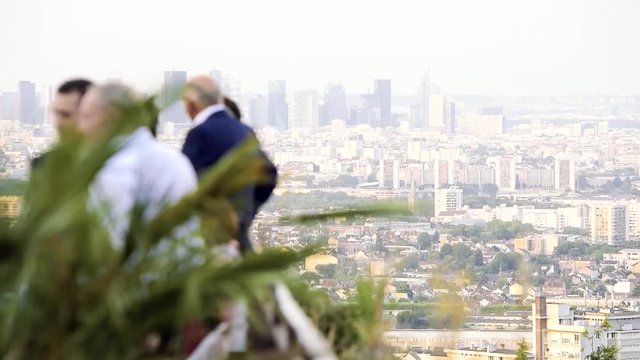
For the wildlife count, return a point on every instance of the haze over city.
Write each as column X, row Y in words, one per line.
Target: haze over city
column 493, row 47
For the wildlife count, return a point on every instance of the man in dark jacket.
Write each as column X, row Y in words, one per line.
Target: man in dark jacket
column 214, row 134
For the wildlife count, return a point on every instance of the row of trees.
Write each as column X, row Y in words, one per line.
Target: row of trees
column 495, row 230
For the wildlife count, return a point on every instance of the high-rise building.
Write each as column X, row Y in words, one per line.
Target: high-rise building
column 28, row 109
column 442, row 173
column 436, row 111
column 450, row 122
column 633, row 218
column 258, row 111
column 448, row 200
column 9, row 106
column 421, row 110
column 608, row 223
column 382, row 92
column 335, row 104
column 304, row 110
column 565, row 174
column 277, row 105
column 506, row 173
column 389, row 173
column 173, row 83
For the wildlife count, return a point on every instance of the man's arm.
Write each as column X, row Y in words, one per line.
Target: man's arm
column 193, row 149
column 263, row 191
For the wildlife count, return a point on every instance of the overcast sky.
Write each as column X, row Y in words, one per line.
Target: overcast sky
column 510, row 47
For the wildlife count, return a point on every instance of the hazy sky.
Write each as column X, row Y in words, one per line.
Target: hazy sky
column 470, row 46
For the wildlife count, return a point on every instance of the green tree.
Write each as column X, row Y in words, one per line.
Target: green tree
column 602, row 352
column 490, row 189
column 425, row 240
column 479, row 258
column 521, row 353
column 310, row 277
column 327, row 271
column 445, row 250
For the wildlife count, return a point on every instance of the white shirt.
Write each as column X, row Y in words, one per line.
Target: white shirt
column 206, row 112
column 143, row 172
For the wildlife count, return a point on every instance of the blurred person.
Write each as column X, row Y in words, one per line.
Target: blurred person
column 233, row 108
column 142, row 172
column 64, row 110
column 214, row 134
column 217, row 130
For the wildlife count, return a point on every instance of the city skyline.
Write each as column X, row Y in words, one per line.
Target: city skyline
column 490, row 47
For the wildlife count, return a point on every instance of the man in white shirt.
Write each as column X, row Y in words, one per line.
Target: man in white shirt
column 142, row 173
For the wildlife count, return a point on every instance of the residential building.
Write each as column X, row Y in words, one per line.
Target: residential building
column 448, row 200
column 562, row 334
column 565, row 174
column 506, row 173
column 608, row 223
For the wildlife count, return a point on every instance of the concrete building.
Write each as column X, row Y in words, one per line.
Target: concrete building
column 304, row 110
column 561, row 334
column 608, row 223
column 310, row 262
column 506, row 173
column 448, row 200
column 565, row 174
column 389, row 173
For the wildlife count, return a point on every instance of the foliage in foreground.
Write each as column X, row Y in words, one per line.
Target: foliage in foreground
column 67, row 293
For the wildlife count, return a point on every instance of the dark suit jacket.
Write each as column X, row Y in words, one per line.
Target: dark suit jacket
column 208, row 142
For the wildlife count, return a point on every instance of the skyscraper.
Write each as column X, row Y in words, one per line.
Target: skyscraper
column 9, row 106
column 335, row 104
column 436, row 111
column 450, row 117
column 258, row 111
column 422, row 108
column 277, row 105
column 173, row 83
column 28, row 109
column 304, row 112
column 382, row 92
column 175, row 79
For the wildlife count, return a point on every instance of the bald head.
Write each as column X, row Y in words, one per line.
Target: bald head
column 102, row 104
column 200, row 93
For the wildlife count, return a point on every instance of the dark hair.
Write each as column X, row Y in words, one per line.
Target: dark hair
column 233, row 107
column 80, row 86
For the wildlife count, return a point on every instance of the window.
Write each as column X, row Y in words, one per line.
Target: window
column 576, row 338
column 565, row 341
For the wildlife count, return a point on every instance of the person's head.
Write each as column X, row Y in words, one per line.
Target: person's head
column 67, row 102
column 233, row 108
column 200, row 93
column 102, row 105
